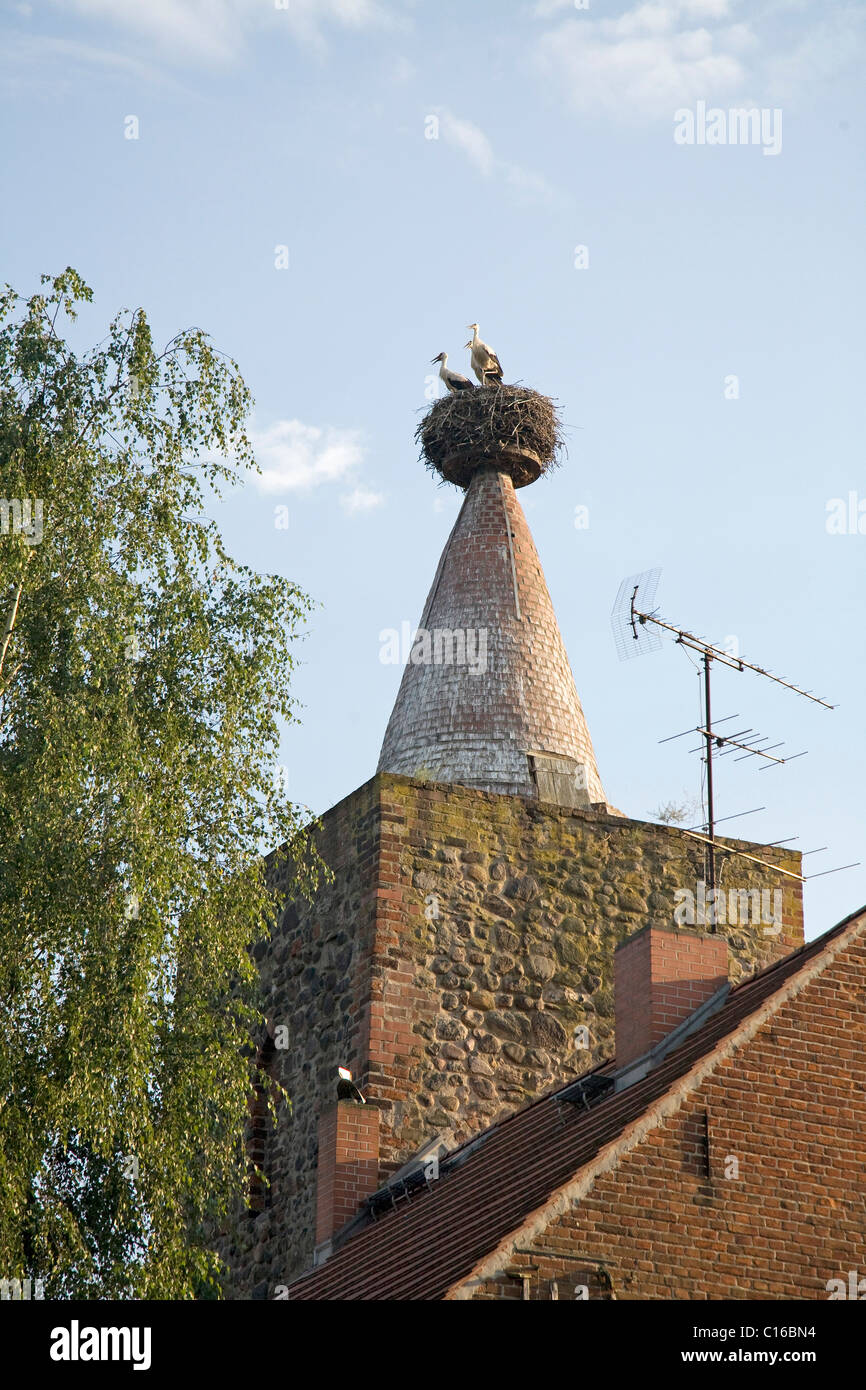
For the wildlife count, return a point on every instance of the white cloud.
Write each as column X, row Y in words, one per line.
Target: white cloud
column 298, row 457
column 27, row 60
column 836, row 41
column 650, row 12
column 663, row 54
column 545, row 8
column 215, row 31
column 361, row 499
column 472, row 142
column 650, row 60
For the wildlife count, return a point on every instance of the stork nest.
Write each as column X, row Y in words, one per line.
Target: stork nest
column 510, row 428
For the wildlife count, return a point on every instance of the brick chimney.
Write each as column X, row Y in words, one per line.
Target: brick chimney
column 348, row 1168
column 662, row 974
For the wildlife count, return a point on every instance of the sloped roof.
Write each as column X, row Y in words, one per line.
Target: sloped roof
column 428, row 1243
column 473, row 721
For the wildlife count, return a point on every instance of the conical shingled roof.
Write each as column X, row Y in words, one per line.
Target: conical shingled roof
column 503, row 713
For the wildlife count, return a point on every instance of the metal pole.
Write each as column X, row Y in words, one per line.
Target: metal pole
column 687, row 639
column 711, row 820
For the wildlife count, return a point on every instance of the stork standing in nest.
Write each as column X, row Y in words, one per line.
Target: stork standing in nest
column 453, row 380
column 485, row 363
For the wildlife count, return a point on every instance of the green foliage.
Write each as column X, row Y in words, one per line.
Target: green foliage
column 142, row 677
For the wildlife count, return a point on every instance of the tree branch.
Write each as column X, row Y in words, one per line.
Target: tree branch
column 11, row 615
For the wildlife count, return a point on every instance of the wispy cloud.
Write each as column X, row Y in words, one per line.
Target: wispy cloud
column 693, row 9
column 216, row 31
column 361, row 499
column 649, row 60
column 834, row 41
column 470, row 140
column 27, row 59
column 662, row 54
column 476, row 146
column 296, row 457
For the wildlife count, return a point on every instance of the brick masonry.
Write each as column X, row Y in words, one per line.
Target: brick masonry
column 465, row 937
column 661, row 975
column 476, row 729
column 751, row 1187
column 348, row 1164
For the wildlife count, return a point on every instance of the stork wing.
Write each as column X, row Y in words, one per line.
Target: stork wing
column 484, row 357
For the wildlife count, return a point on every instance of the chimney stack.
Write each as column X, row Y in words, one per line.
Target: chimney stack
column 348, row 1169
column 662, row 974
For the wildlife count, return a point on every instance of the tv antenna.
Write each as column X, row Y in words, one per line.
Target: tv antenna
column 638, row 630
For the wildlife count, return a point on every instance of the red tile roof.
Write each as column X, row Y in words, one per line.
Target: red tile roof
column 429, row 1242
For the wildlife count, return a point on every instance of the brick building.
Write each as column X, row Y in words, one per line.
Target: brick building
column 557, row 1075
column 725, row 1161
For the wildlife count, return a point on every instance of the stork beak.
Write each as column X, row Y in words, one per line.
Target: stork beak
column 436, row 359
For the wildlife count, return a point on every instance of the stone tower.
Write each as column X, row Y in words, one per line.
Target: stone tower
column 509, row 720
column 460, row 963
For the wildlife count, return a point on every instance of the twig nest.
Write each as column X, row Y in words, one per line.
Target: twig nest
column 510, row 428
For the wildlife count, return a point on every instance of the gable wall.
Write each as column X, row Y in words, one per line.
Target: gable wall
column 790, row 1108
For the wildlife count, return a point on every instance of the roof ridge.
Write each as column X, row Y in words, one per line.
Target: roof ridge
column 808, row 948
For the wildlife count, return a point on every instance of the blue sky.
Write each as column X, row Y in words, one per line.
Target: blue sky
column 708, row 359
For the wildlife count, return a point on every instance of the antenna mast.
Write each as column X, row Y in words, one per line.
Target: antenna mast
column 632, row 613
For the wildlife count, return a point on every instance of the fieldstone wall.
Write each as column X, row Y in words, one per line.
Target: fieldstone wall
column 461, row 964
column 314, row 971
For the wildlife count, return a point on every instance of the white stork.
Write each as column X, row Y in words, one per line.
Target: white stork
column 453, row 380
column 346, row 1088
column 485, row 363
